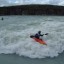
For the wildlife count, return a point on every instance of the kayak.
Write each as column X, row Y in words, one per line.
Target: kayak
column 40, row 41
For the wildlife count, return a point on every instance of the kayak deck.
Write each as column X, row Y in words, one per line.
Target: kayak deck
column 40, row 41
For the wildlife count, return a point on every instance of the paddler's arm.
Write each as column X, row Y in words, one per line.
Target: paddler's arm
column 44, row 34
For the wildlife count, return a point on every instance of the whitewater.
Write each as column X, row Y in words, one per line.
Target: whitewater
column 15, row 34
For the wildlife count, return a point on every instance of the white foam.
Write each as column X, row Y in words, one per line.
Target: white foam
column 19, row 42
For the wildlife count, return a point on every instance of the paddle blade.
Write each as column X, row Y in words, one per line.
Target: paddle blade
column 31, row 36
column 46, row 34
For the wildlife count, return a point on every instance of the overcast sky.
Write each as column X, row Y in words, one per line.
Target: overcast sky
column 21, row 2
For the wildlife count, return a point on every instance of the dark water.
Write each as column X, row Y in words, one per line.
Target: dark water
column 15, row 59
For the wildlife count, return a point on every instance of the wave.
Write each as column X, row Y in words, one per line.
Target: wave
column 14, row 39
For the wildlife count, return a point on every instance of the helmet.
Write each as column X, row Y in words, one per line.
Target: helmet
column 39, row 32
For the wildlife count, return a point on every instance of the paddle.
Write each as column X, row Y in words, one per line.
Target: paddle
column 31, row 36
column 45, row 34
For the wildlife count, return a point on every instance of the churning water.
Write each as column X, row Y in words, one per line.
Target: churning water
column 15, row 32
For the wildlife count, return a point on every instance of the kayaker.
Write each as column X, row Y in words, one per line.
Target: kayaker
column 2, row 18
column 37, row 35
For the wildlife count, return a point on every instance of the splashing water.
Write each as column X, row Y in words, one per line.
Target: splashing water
column 14, row 36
